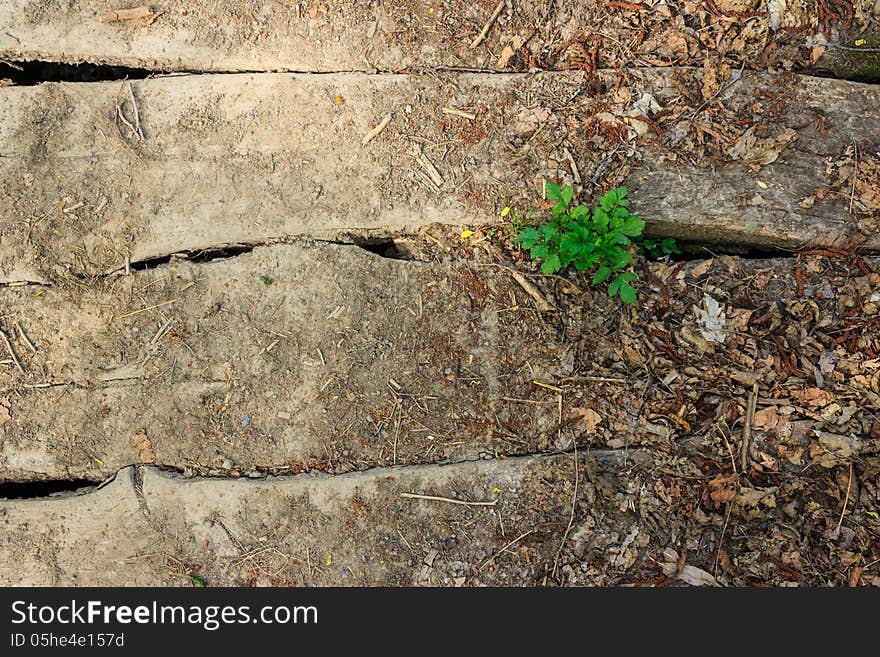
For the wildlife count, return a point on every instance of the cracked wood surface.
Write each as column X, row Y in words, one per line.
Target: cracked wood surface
column 354, row 529
column 253, row 158
column 281, row 359
column 223, row 35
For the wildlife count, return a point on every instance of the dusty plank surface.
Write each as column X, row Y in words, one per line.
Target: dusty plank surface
column 152, row 528
column 255, row 158
column 292, row 358
column 283, row 359
column 218, row 35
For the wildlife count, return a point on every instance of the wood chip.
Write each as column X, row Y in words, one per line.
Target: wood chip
column 430, row 169
column 457, row 112
column 126, row 14
column 375, row 132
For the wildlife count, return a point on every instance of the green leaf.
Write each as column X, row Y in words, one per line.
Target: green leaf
column 669, row 245
column 553, row 192
column 580, row 212
column 614, row 287
column 528, row 238
column 197, row 581
column 549, row 231
column 567, row 195
column 601, row 275
column 600, row 220
column 539, row 251
column 265, row 280
column 551, row 264
column 569, row 247
column 618, row 258
column 632, row 226
column 627, row 293
column 627, row 276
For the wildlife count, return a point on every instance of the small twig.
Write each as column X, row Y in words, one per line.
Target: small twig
column 504, row 549
column 11, row 351
column 531, row 290
column 125, row 121
column 143, row 310
column 845, row 499
column 574, row 169
column 24, row 337
column 434, row 498
column 375, row 132
column 458, row 112
column 727, row 86
column 747, row 429
column 137, row 116
column 597, row 379
column 721, row 538
column 488, row 26
column 574, row 497
column 430, row 169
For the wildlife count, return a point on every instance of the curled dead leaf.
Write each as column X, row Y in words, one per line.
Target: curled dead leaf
column 143, row 447
column 723, row 488
column 590, row 418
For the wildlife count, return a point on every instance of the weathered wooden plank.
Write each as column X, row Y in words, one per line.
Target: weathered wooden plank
column 291, row 358
column 150, row 528
column 390, row 36
column 255, row 158
column 282, row 359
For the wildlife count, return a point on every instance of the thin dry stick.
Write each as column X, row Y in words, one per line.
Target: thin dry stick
column 457, row 112
column 434, row 498
column 505, row 548
column 721, row 538
column 531, row 290
column 25, row 338
column 488, row 25
column 125, row 121
column 574, row 495
column 845, row 499
column 11, row 351
column 137, row 116
column 747, row 430
column 143, row 310
column 598, row 379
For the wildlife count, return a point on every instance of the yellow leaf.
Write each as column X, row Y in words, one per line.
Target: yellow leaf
column 497, row 490
column 762, row 185
column 339, row 100
column 860, row 42
column 505, row 211
column 466, row 233
column 329, row 560
column 40, row 293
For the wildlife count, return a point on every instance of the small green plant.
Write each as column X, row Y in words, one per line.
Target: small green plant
column 594, row 239
column 654, row 249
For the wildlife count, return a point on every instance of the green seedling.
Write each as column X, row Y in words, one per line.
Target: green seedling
column 591, row 240
column 654, row 249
